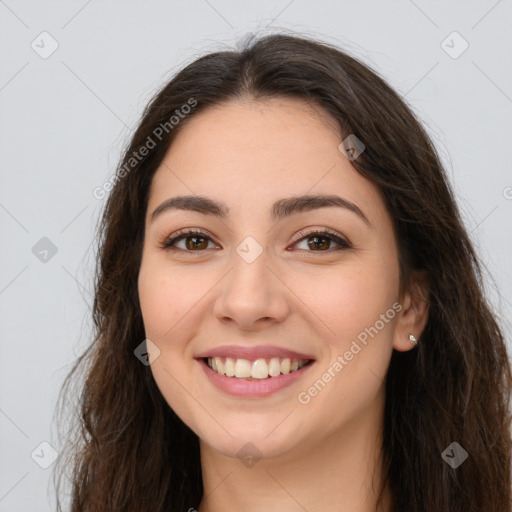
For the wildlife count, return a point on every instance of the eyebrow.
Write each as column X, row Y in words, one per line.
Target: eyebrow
column 280, row 209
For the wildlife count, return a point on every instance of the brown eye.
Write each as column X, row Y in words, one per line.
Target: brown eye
column 195, row 241
column 320, row 241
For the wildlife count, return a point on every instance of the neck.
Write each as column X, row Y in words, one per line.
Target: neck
column 341, row 472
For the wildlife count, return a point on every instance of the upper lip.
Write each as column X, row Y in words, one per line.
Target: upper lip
column 252, row 353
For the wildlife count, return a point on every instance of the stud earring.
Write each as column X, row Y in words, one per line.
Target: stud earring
column 413, row 340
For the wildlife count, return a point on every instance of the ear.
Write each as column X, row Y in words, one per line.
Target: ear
column 414, row 313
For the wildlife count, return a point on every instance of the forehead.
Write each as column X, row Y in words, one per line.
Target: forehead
column 249, row 153
column 280, row 127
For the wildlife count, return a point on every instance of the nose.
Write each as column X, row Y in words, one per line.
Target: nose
column 252, row 295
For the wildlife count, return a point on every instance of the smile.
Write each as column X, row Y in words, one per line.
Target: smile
column 257, row 369
column 249, row 387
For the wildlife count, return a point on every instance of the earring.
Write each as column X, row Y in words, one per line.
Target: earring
column 413, row 340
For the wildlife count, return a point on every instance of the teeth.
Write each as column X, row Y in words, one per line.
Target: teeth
column 274, row 367
column 220, row 366
column 258, row 369
column 242, row 368
column 229, row 367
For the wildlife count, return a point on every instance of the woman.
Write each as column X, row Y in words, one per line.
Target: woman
column 289, row 312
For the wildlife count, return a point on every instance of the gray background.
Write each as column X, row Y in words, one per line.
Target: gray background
column 65, row 118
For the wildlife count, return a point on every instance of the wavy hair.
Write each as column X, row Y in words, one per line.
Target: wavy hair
column 129, row 450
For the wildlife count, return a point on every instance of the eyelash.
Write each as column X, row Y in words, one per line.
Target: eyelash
column 167, row 243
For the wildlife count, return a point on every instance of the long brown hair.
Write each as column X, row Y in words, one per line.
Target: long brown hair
column 130, row 451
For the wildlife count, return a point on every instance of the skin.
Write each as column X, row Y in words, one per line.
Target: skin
column 319, row 456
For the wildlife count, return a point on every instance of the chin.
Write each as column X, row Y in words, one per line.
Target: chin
column 248, row 443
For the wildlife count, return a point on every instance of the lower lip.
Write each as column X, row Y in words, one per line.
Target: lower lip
column 252, row 388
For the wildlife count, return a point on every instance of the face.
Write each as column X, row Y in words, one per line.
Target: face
column 315, row 282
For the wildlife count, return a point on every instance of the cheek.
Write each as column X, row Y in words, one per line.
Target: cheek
column 356, row 319
column 165, row 300
column 155, row 296
column 350, row 298
column 358, row 309
column 164, row 304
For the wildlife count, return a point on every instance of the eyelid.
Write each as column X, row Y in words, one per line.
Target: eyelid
column 183, row 233
column 305, row 232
